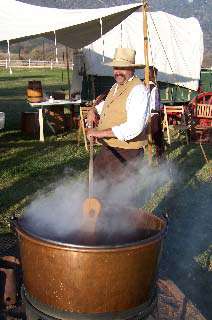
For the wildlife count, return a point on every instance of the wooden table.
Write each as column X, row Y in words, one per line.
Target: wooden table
column 41, row 106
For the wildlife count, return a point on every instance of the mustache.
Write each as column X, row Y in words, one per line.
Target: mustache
column 119, row 74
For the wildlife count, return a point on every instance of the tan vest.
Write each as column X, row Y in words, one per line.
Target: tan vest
column 114, row 113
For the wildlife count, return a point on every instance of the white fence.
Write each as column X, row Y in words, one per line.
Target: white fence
column 32, row 64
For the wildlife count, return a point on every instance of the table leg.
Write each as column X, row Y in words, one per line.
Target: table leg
column 40, row 119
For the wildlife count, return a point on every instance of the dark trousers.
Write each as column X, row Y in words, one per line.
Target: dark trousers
column 157, row 135
column 114, row 164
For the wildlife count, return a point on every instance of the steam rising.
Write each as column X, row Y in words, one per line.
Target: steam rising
column 59, row 212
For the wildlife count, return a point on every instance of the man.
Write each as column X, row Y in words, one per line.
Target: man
column 123, row 119
column 156, row 123
column 154, row 92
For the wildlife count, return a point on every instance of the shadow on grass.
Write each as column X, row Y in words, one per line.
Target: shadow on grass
column 188, row 162
column 189, row 204
column 34, row 166
column 19, row 77
column 190, row 233
column 37, row 179
column 32, row 149
column 10, row 139
column 20, row 91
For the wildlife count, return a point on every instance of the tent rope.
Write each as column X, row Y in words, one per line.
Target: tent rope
column 151, row 54
column 177, row 43
column 55, row 44
column 9, row 57
column 164, row 50
column 152, row 59
column 121, row 26
column 103, row 41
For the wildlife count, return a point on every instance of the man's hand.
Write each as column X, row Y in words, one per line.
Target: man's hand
column 92, row 117
column 99, row 134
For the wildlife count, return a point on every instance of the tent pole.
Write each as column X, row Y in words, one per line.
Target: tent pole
column 68, row 74
column 145, row 30
column 146, row 57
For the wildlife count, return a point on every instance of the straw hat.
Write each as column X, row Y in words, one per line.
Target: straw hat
column 125, row 58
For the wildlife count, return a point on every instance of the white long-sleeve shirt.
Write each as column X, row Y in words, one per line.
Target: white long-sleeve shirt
column 154, row 99
column 137, row 113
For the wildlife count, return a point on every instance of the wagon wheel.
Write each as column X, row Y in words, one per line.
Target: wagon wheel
column 197, row 122
column 201, row 98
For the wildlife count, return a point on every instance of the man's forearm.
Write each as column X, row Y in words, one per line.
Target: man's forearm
column 92, row 117
column 107, row 133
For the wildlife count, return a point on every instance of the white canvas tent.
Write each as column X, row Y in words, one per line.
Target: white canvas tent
column 175, row 48
column 74, row 28
column 176, row 44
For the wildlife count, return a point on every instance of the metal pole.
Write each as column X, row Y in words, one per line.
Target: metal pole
column 43, row 51
column 68, row 74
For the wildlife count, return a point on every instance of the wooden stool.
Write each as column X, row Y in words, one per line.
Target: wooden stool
column 29, row 123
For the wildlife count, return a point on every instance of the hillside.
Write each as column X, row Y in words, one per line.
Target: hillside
column 201, row 9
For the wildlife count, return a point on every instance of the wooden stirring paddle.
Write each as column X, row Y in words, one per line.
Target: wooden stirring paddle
column 91, row 206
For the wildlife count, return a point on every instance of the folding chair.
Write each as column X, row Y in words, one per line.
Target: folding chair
column 175, row 110
column 82, row 125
